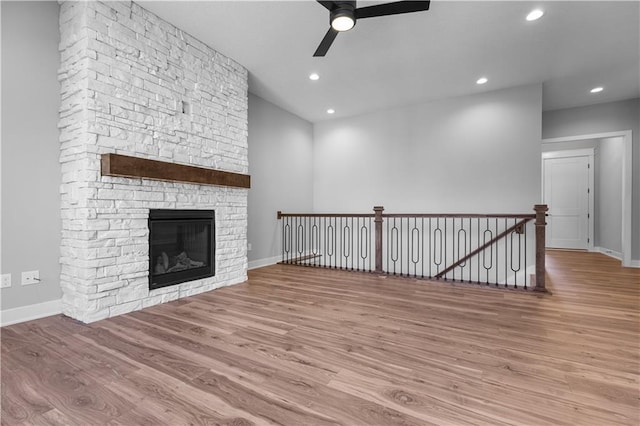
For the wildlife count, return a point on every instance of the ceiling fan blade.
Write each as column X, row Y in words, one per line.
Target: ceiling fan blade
column 325, row 44
column 394, row 8
column 327, row 4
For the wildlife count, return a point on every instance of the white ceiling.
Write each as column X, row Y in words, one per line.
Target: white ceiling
column 405, row 59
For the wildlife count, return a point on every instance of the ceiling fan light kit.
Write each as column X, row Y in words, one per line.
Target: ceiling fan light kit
column 342, row 18
column 344, row 14
column 343, row 23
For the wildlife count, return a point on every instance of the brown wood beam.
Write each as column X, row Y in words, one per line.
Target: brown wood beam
column 135, row 167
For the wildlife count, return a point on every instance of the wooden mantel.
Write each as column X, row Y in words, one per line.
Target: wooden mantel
column 134, row 167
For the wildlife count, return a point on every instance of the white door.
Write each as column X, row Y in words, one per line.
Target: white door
column 566, row 192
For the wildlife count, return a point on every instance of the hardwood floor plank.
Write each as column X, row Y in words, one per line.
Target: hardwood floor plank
column 16, row 337
column 52, row 417
column 175, row 401
column 48, row 377
column 153, row 357
column 21, row 403
column 92, row 360
column 303, row 346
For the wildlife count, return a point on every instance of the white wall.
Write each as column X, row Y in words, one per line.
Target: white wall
column 608, row 229
column 30, row 150
column 601, row 118
column 280, row 165
column 477, row 153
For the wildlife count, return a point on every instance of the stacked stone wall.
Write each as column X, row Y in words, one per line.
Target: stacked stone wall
column 136, row 85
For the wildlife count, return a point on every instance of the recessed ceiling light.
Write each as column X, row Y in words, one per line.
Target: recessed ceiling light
column 482, row 80
column 314, row 76
column 597, row 89
column 331, row 111
column 535, row 15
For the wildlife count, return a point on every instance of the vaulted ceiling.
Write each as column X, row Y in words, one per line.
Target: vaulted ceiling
column 404, row 59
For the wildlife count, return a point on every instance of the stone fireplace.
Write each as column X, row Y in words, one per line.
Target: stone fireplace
column 135, row 85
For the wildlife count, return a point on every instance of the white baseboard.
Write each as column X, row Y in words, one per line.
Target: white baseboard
column 608, row 252
column 616, row 255
column 30, row 312
column 264, row 262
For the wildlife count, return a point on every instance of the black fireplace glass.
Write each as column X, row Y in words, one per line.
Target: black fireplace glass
column 181, row 246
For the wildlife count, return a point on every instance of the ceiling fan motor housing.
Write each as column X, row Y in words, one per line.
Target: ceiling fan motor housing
column 343, row 9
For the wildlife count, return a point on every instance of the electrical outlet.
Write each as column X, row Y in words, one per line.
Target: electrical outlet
column 30, row 277
column 249, row 247
column 6, row 281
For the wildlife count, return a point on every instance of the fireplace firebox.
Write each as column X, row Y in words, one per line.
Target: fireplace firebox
column 181, row 246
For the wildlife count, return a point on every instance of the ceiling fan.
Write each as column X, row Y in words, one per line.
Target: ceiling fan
column 343, row 16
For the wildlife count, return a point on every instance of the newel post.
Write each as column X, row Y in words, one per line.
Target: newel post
column 378, row 223
column 541, row 223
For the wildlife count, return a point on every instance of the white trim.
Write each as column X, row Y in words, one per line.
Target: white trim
column 626, row 184
column 604, row 135
column 264, row 262
column 590, row 154
column 608, row 252
column 634, row 264
column 30, row 312
column 585, row 152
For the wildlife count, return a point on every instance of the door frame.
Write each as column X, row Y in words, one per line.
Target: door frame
column 569, row 153
column 626, row 182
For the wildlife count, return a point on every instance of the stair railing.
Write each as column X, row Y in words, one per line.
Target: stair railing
column 503, row 250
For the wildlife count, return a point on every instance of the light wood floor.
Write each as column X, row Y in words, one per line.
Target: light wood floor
column 300, row 346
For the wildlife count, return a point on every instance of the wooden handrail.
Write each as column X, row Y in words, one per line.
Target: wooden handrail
column 463, row 215
column 280, row 215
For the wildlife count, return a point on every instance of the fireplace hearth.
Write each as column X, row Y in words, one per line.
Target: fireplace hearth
column 181, row 246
